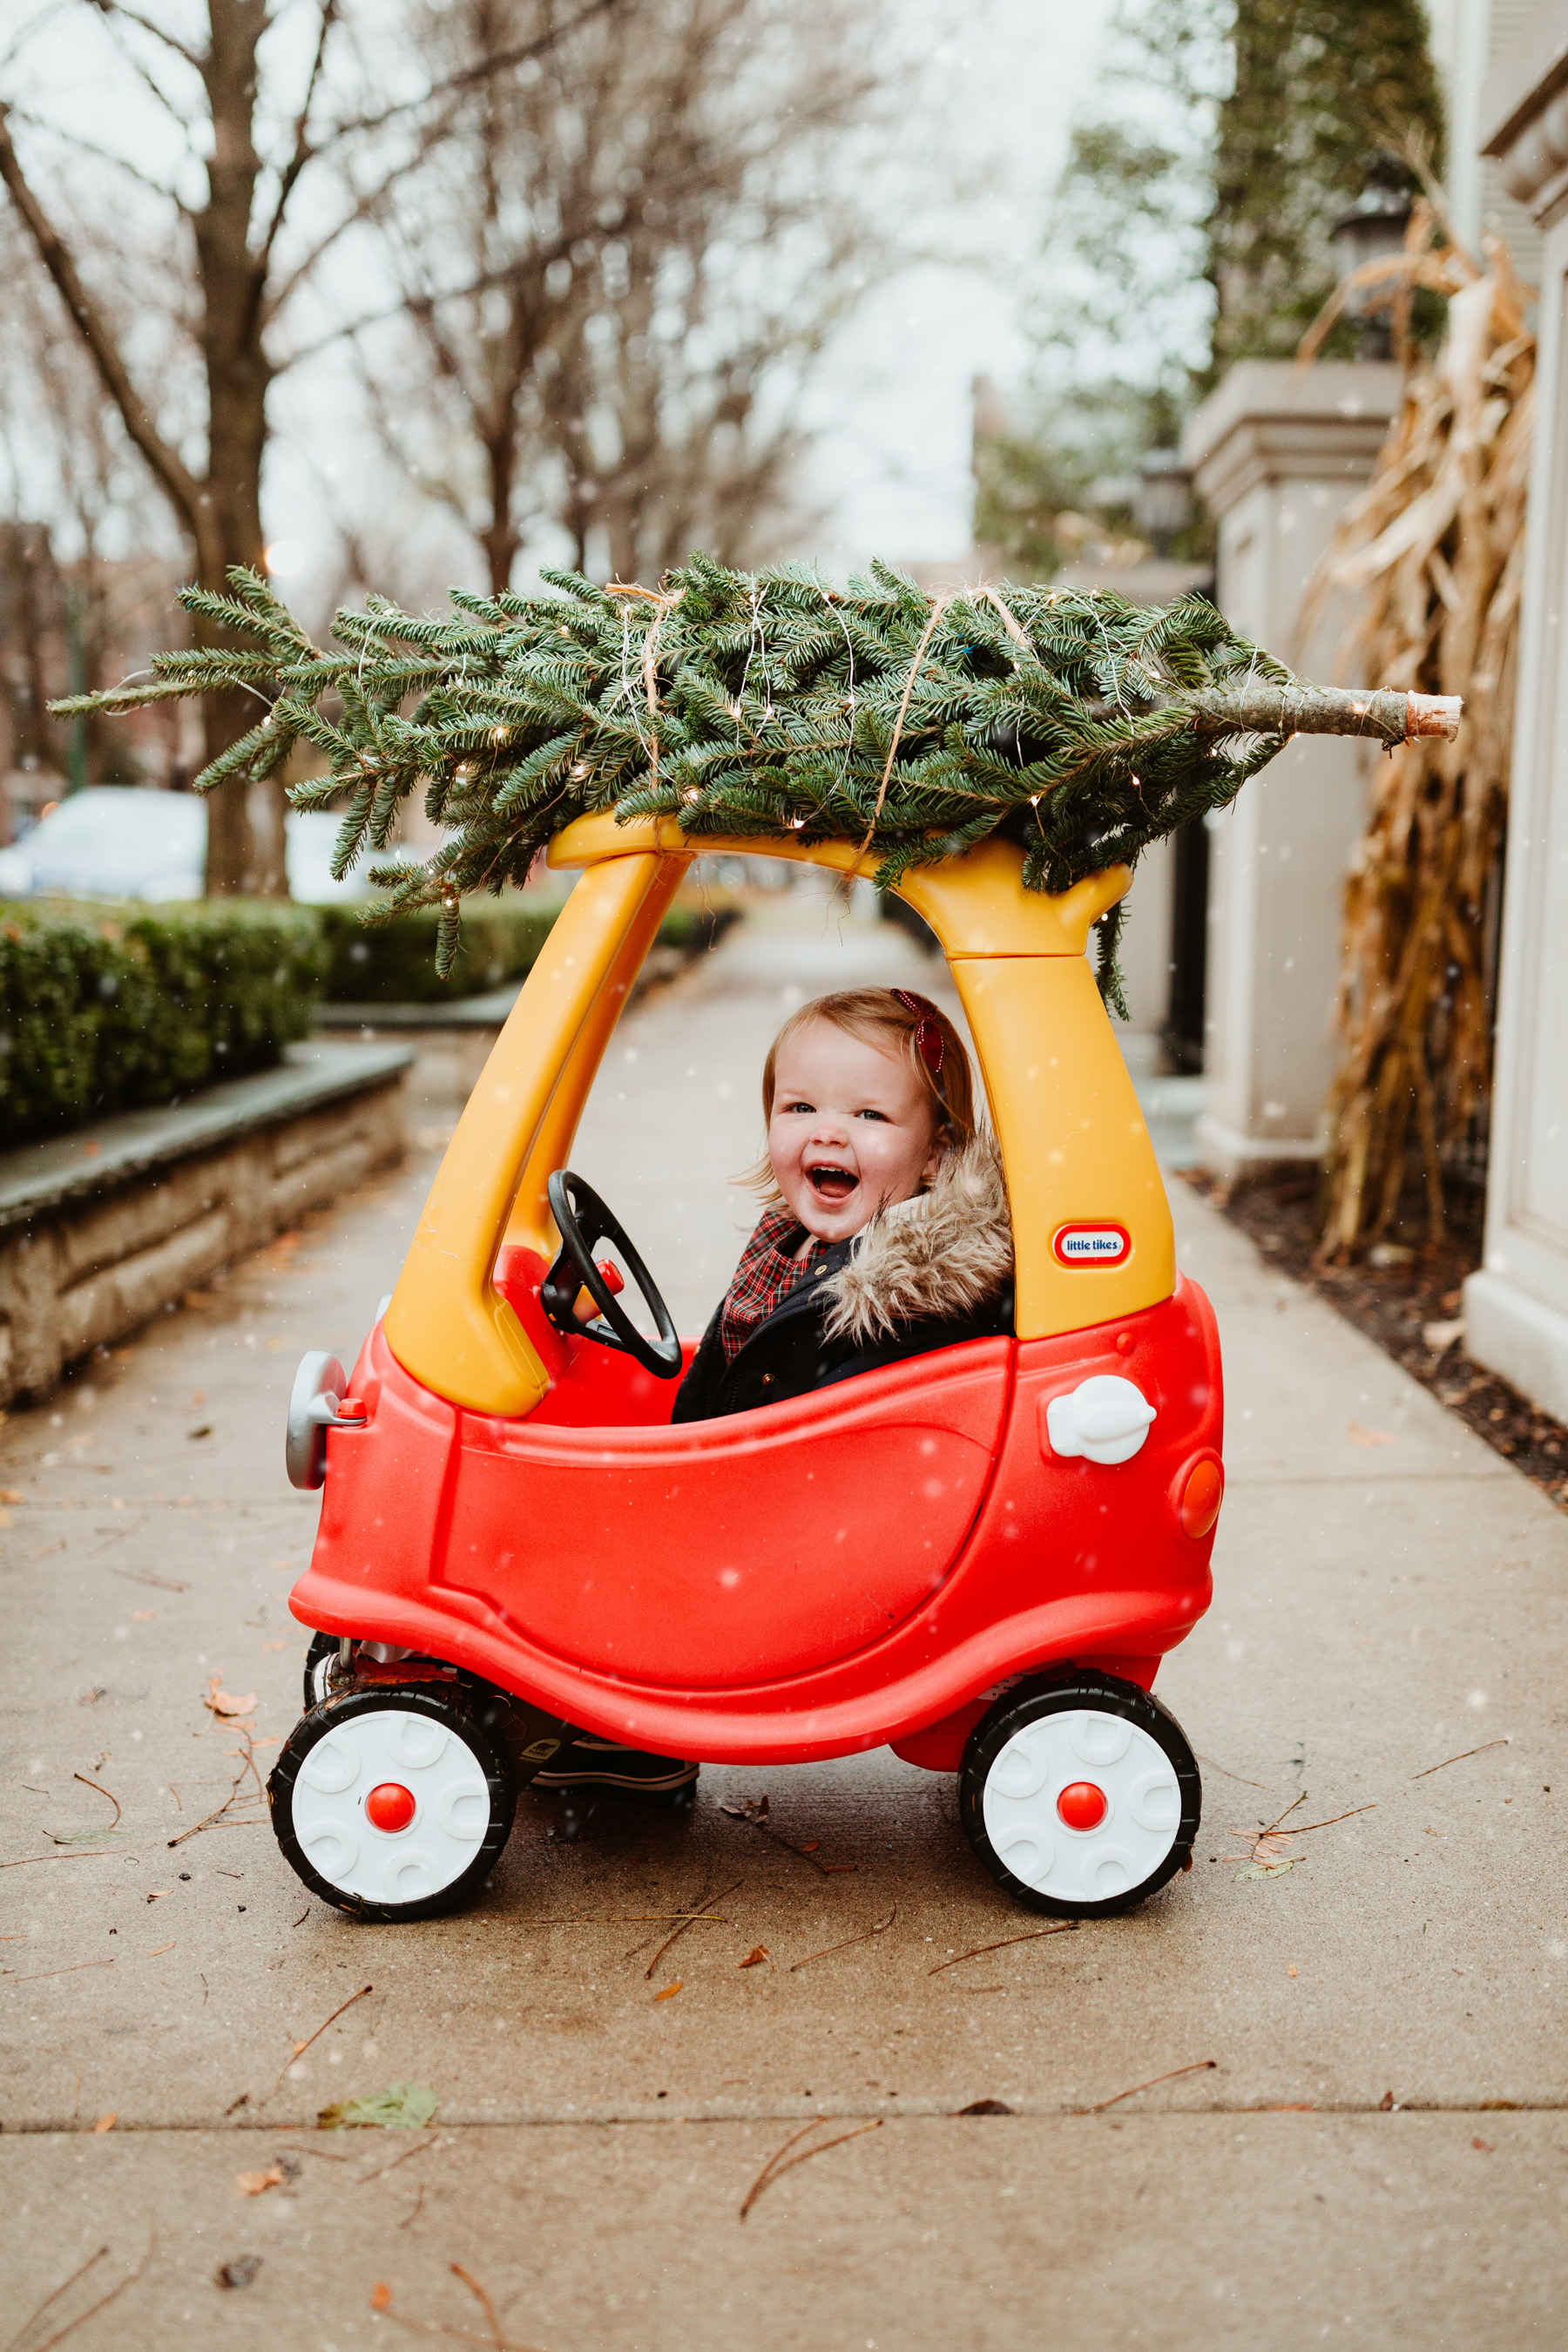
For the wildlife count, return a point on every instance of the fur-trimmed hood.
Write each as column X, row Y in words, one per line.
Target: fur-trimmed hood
column 936, row 1258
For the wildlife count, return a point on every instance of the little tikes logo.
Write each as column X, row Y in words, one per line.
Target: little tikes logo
column 1093, row 1245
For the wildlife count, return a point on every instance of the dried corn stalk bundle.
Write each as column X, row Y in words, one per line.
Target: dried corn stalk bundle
column 1433, row 552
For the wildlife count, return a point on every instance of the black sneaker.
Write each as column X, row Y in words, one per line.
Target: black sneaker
column 628, row 1772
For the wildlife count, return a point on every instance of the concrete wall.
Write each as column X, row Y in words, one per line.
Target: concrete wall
column 81, row 1264
column 1279, row 452
column 1516, row 1308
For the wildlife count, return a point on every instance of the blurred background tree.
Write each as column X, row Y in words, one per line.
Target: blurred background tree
column 1192, row 227
column 657, row 244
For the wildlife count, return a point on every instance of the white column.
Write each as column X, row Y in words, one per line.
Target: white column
column 1279, row 452
column 1516, row 1308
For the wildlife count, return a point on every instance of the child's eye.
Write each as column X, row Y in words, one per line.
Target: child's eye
column 878, row 1114
column 806, row 1107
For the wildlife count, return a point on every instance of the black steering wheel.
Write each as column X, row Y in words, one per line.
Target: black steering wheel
column 584, row 1222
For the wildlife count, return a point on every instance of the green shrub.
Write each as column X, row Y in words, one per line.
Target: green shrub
column 108, row 1008
column 395, row 963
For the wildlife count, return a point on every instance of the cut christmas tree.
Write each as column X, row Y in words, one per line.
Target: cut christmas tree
column 759, row 706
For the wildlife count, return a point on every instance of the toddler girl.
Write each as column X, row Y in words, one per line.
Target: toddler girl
column 885, row 1234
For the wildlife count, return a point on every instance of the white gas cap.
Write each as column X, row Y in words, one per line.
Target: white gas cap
column 1105, row 1418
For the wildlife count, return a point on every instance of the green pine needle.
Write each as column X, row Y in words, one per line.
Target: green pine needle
column 766, row 705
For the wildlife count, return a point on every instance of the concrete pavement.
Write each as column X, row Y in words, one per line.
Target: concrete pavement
column 1377, row 2154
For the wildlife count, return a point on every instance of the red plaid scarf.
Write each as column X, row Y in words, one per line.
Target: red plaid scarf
column 766, row 1274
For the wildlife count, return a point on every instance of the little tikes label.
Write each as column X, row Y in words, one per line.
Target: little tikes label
column 1092, row 1245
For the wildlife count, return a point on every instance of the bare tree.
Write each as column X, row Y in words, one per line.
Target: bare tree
column 657, row 227
column 249, row 142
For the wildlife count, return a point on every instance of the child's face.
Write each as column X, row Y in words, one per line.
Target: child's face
column 852, row 1131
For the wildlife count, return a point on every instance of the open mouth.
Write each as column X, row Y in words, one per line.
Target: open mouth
column 832, row 1186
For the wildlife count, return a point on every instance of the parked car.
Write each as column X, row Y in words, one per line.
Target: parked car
column 118, row 841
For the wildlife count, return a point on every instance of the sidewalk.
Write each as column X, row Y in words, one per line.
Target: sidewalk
column 1376, row 2157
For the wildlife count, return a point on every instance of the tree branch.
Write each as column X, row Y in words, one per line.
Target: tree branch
column 175, row 479
column 302, row 150
column 145, row 25
column 102, row 155
column 482, row 72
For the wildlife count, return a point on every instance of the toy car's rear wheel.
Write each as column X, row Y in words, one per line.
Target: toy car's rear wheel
column 1080, row 1795
column 394, row 1803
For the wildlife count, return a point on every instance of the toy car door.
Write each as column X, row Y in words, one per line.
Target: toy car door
column 728, row 1553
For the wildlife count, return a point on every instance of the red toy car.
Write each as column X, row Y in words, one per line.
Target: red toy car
column 978, row 1557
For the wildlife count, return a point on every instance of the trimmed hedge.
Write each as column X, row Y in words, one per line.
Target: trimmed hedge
column 105, row 1010
column 395, row 963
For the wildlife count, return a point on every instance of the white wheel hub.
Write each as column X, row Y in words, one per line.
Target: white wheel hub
column 391, row 1806
column 1082, row 1806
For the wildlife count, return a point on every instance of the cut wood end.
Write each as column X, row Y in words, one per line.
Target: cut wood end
column 1432, row 714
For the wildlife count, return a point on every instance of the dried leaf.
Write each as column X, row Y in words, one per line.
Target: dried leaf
column 256, row 2184
column 107, row 2121
column 669, row 1990
column 380, row 2296
column 405, row 2106
column 755, row 1958
column 239, row 2271
column 1362, row 1436
column 224, row 1702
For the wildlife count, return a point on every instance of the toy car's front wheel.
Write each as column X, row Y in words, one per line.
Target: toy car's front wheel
column 394, row 1803
column 1080, row 1795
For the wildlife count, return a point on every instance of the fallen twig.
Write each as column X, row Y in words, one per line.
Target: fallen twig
column 414, row 2211
column 879, row 1927
column 381, row 2300
column 639, row 1918
column 482, row 2299
column 1236, row 1776
column 686, row 1922
column 423, row 2147
column 102, row 1792
column 91, row 2262
column 65, row 1972
column 145, row 1575
column 81, row 1854
column 1332, row 1819
column 300, row 2047
column 754, row 1812
column 93, row 2308
column 212, row 1820
column 775, row 2169
column 1031, row 1936
column 1200, row 2066
column 1458, row 1759
column 115, row 1536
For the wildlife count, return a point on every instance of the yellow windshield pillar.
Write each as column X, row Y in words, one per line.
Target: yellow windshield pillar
column 446, row 1325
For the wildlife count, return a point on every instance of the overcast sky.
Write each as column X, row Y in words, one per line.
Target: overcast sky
column 893, row 403
column 889, row 469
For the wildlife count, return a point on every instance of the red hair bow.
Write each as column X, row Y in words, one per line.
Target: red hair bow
column 928, row 1043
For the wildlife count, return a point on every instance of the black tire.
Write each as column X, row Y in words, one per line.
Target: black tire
column 1072, row 1693
column 319, row 1658
column 474, row 1717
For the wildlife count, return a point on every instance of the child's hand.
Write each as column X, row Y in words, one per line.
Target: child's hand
column 585, row 1307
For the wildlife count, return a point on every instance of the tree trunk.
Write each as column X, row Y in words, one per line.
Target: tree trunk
column 243, row 856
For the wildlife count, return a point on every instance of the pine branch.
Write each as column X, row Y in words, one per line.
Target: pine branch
column 766, row 705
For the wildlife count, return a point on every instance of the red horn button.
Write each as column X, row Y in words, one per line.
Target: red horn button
column 1081, row 1805
column 391, row 1807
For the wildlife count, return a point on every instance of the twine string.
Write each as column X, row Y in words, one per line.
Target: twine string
column 938, row 607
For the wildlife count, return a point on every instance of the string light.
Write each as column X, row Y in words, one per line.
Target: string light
column 464, row 772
